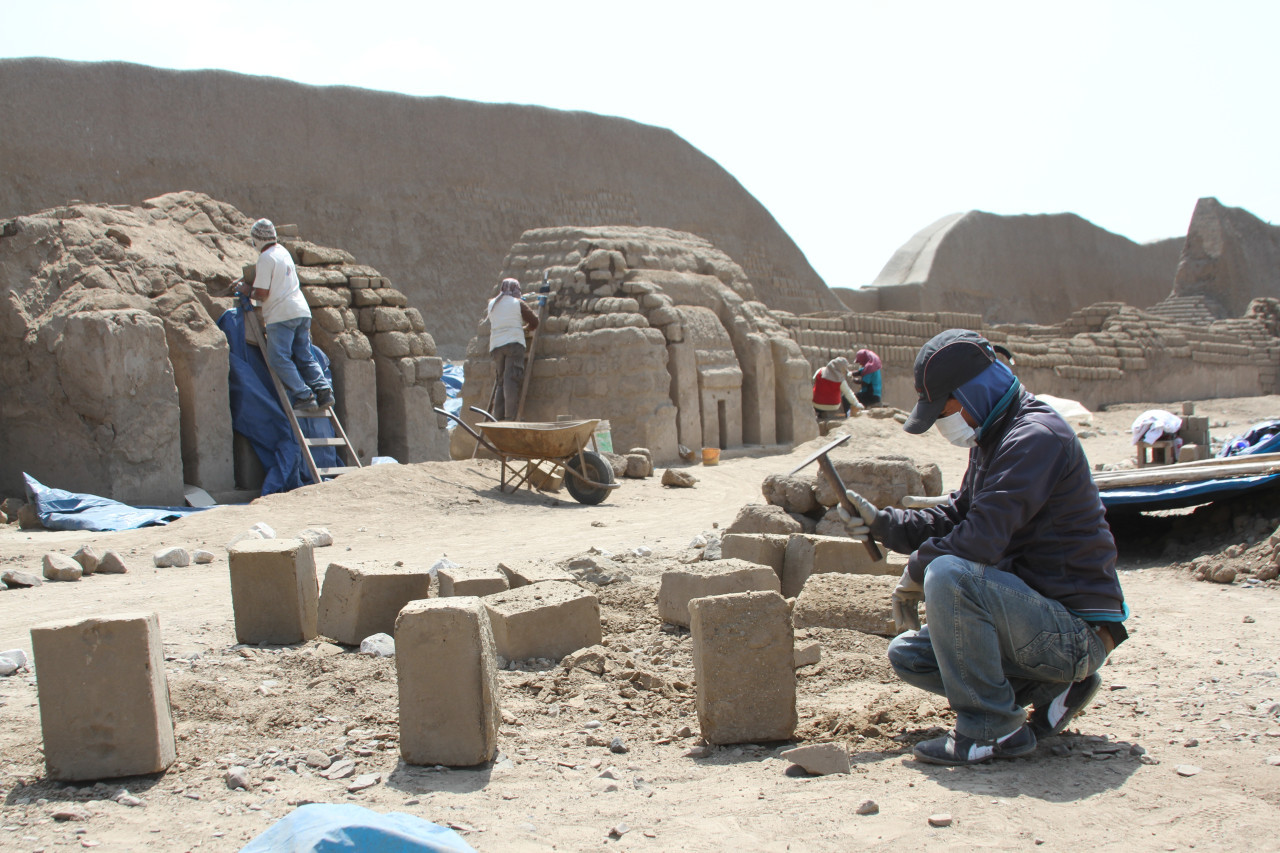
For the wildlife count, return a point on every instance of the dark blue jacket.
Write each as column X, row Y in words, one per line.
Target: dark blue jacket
column 1028, row 505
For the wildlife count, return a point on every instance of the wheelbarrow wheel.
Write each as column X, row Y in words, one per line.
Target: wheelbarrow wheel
column 595, row 469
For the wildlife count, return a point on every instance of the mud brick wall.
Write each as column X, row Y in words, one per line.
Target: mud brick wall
column 385, row 366
column 1104, row 353
column 658, row 331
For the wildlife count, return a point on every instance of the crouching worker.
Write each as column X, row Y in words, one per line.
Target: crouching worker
column 1017, row 568
column 832, row 396
column 288, row 322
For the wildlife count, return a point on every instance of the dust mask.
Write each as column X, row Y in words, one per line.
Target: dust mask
column 956, row 429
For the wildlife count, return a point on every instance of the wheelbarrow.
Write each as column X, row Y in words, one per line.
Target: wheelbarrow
column 524, row 448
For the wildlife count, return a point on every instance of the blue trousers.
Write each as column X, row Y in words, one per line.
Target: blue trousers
column 992, row 646
column 289, row 354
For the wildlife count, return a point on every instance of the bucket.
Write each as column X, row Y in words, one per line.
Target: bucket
column 603, row 437
column 710, row 456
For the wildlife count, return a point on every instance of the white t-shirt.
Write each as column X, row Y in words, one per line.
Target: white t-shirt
column 277, row 275
column 506, row 324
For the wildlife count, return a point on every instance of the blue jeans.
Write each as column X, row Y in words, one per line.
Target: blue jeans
column 992, row 646
column 289, row 354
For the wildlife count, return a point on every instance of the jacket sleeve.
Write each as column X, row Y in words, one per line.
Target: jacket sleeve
column 1020, row 476
column 530, row 318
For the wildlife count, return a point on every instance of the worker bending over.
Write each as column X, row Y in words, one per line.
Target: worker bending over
column 1017, row 568
column 832, row 395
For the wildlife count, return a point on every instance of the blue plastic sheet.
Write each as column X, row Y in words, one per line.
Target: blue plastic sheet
column 1261, row 438
column 452, row 378
column 257, row 415
column 346, row 828
column 63, row 510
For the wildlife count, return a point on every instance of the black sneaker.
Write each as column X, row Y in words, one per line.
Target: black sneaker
column 1053, row 718
column 306, row 405
column 324, row 398
column 955, row 749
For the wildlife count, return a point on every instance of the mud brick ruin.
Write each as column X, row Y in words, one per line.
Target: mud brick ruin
column 659, row 332
column 116, row 374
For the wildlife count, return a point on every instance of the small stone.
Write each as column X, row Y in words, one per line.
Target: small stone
column 608, row 773
column 1148, row 759
column 678, row 479
column 619, row 830
column 699, row 752
column 316, row 537
column 60, row 567
column 807, row 654
column 364, row 780
column 237, row 777
column 616, row 745
column 1190, row 742
column 1248, row 620
column 820, row 759
column 378, row 645
column 202, row 556
column 124, row 798
column 684, row 731
column 170, row 557
column 12, row 660
column 868, row 807
column 1223, row 574
column 941, row 819
column 1187, row 770
column 1273, row 760
column 15, row 579
column 339, row 769
column 87, row 558
column 67, row 813
column 316, row 758
column 112, row 564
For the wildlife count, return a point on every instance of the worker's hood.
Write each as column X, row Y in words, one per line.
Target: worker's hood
column 988, row 394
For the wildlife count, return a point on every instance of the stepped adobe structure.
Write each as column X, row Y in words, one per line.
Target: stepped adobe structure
column 436, row 189
column 115, row 374
column 1017, row 269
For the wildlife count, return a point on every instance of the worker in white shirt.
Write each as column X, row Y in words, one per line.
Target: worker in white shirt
column 288, row 322
column 508, row 318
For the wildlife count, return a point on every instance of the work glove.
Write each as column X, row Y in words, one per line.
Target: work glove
column 858, row 526
column 907, row 596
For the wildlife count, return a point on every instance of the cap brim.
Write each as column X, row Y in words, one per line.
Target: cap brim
column 923, row 416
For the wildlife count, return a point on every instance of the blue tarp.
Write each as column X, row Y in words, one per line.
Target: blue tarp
column 453, row 389
column 62, row 510
column 1261, row 438
column 347, row 828
column 256, row 413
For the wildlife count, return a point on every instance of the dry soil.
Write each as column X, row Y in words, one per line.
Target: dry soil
column 1179, row 751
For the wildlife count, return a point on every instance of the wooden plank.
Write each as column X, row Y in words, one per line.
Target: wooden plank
column 1170, row 474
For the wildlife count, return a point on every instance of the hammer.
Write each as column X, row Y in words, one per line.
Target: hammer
column 833, row 478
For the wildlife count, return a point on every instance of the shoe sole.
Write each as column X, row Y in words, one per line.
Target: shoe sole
column 944, row 762
column 1071, row 715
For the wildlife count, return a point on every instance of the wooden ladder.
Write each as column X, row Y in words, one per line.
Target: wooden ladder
column 253, row 322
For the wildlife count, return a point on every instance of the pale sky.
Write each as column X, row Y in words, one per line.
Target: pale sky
column 855, row 123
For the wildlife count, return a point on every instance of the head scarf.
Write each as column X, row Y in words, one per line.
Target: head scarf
column 836, row 370
column 987, row 395
column 510, row 287
column 263, row 233
column 870, row 361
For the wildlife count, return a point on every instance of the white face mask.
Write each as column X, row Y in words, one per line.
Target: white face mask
column 956, row 429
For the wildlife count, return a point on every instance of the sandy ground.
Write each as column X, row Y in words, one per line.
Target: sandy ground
column 1173, row 755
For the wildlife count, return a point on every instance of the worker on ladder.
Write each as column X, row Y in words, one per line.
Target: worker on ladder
column 288, row 322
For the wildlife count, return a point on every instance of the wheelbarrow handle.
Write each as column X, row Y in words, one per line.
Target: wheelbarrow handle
column 460, row 422
column 482, row 412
